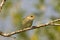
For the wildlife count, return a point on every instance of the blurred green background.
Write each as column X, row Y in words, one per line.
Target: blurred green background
column 45, row 10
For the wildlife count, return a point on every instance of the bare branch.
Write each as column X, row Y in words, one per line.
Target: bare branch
column 55, row 24
column 2, row 3
column 30, row 28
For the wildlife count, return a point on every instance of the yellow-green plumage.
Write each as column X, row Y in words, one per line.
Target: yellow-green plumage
column 27, row 22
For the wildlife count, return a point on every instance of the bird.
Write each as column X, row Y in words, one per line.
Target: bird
column 28, row 21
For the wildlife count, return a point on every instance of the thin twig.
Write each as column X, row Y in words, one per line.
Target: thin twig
column 55, row 24
column 30, row 28
column 1, row 5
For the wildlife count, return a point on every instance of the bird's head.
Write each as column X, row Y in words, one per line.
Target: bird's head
column 31, row 17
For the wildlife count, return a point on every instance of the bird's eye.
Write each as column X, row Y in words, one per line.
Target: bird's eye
column 31, row 16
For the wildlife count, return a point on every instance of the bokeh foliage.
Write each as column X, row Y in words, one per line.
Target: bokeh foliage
column 45, row 33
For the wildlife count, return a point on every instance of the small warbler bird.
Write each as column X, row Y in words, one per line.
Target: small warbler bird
column 27, row 21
